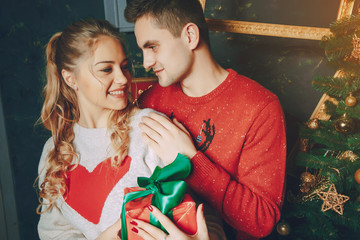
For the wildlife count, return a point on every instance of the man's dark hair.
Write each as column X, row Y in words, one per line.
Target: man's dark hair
column 172, row 15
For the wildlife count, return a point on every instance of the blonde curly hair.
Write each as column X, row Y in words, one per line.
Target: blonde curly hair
column 60, row 110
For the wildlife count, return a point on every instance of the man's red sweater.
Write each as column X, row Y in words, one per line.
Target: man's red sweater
column 239, row 132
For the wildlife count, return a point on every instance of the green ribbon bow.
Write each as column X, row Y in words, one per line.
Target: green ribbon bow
column 167, row 186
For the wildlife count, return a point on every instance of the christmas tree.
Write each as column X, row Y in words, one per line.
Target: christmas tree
column 327, row 202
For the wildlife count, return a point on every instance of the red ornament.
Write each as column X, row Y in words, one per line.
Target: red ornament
column 357, row 176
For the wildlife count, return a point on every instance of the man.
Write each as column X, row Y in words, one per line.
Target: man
column 230, row 127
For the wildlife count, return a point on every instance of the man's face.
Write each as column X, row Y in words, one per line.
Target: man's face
column 168, row 56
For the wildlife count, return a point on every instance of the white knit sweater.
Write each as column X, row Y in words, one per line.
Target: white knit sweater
column 71, row 220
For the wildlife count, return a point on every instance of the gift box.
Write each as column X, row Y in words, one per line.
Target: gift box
column 166, row 190
column 183, row 215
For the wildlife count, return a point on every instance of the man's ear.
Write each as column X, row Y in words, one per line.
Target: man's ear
column 191, row 35
column 69, row 79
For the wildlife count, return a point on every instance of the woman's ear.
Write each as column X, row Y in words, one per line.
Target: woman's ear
column 191, row 35
column 69, row 79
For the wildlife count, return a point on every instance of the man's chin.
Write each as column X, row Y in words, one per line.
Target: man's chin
column 164, row 83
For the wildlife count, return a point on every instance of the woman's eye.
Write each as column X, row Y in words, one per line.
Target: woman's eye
column 106, row 70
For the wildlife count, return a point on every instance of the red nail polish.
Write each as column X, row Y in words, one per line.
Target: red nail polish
column 150, row 208
column 133, row 222
column 134, row 230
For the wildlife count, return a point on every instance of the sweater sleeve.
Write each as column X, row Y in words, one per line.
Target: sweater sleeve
column 52, row 224
column 251, row 200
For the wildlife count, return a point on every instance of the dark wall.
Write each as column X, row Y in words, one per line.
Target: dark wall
column 26, row 26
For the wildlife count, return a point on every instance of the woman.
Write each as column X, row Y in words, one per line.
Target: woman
column 96, row 148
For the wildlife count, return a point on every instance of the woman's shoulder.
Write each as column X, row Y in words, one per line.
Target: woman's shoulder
column 144, row 111
column 139, row 113
column 49, row 143
column 48, row 146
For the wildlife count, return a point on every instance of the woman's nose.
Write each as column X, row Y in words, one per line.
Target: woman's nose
column 120, row 77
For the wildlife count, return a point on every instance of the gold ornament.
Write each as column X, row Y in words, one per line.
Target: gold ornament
column 350, row 101
column 307, row 177
column 348, row 155
column 310, row 193
column 307, row 182
column 344, row 124
column 313, row 123
column 357, row 176
column 283, row 228
column 355, row 54
column 333, row 200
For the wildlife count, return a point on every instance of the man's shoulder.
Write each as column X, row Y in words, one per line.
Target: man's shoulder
column 249, row 88
column 150, row 96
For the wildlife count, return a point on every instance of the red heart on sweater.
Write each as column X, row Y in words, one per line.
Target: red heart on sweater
column 88, row 191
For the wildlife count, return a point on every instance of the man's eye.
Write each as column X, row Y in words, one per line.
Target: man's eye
column 106, row 70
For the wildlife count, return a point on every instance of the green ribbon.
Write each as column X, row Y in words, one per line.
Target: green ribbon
column 167, row 186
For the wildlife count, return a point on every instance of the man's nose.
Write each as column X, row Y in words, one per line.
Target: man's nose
column 148, row 60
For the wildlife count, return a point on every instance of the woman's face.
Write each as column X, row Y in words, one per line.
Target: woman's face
column 103, row 79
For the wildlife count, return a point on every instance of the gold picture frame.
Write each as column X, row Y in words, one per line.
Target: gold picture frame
column 276, row 30
column 285, row 31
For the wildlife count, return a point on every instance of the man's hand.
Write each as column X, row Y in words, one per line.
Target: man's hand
column 166, row 138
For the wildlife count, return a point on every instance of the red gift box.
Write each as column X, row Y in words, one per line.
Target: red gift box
column 184, row 214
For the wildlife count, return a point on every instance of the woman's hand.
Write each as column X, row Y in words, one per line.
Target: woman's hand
column 111, row 233
column 150, row 232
